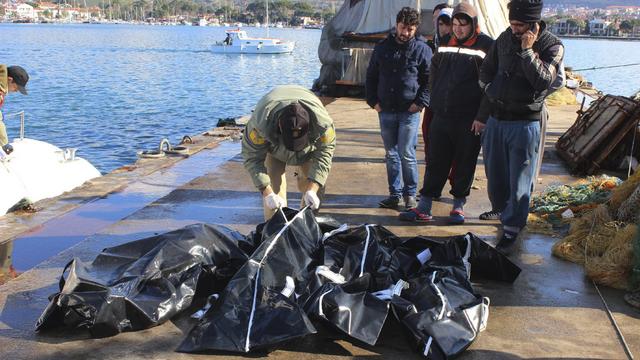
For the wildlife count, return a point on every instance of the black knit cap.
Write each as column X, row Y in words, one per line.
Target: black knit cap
column 294, row 127
column 19, row 76
column 527, row 11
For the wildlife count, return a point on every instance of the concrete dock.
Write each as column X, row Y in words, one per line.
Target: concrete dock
column 551, row 311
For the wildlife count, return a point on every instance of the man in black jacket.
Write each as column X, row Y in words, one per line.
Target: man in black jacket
column 455, row 100
column 397, row 88
column 516, row 75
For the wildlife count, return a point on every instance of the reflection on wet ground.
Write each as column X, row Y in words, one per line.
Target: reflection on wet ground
column 39, row 244
column 7, row 272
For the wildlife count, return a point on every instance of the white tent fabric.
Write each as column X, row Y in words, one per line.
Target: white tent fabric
column 378, row 16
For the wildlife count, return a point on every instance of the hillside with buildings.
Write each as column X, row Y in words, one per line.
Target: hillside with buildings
column 614, row 20
column 591, row 3
column 285, row 12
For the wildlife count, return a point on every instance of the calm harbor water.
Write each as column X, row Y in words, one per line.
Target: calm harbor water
column 111, row 90
column 583, row 54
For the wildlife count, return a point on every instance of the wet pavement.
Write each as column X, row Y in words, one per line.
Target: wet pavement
column 42, row 242
column 551, row 311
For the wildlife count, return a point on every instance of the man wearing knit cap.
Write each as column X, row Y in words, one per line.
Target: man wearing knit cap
column 289, row 126
column 517, row 75
column 455, row 101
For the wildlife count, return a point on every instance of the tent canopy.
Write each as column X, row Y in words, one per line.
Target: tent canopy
column 366, row 17
column 375, row 16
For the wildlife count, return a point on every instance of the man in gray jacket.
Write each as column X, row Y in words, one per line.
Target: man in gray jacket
column 289, row 126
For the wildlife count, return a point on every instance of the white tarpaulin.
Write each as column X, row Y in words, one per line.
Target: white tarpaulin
column 379, row 15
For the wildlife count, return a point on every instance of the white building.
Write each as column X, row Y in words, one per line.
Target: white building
column 564, row 27
column 598, row 27
column 25, row 11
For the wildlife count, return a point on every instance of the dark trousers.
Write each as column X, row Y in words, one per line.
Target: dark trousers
column 510, row 151
column 450, row 141
column 426, row 123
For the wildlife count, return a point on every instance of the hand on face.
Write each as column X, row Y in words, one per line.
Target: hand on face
column 529, row 37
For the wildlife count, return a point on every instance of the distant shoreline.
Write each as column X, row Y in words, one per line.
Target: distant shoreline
column 589, row 37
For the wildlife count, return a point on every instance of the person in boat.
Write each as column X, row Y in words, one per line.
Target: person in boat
column 228, row 40
column 397, row 87
column 517, row 76
column 12, row 79
column 455, row 102
column 289, row 126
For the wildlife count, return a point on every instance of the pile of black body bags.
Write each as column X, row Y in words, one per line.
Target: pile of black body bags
column 270, row 286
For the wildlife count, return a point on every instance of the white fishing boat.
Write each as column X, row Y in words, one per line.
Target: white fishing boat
column 36, row 170
column 237, row 42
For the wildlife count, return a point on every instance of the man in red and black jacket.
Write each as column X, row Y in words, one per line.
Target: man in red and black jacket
column 455, row 102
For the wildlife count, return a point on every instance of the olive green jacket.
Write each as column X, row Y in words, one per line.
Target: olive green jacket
column 261, row 136
column 4, row 89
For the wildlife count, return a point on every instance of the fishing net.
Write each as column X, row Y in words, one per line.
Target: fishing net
column 603, row 235
column 629, row 210
column 563, row 96
column 572, row 246
column 611, row 261
column 605, row 240
column 581, row 196
column 538, row 224
column 624, row 191
column 635, row 272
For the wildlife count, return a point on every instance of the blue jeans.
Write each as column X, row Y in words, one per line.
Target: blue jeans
column 510, row 152
column 400, row 136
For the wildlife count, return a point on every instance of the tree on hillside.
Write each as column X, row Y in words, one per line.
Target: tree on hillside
column 282, row 10
column 160, row 9
column 326, row 14
column 258, row 9
column 577, row 23
column 303, row 8
column 626, row 26
column 551, row 21
column 140, row 8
